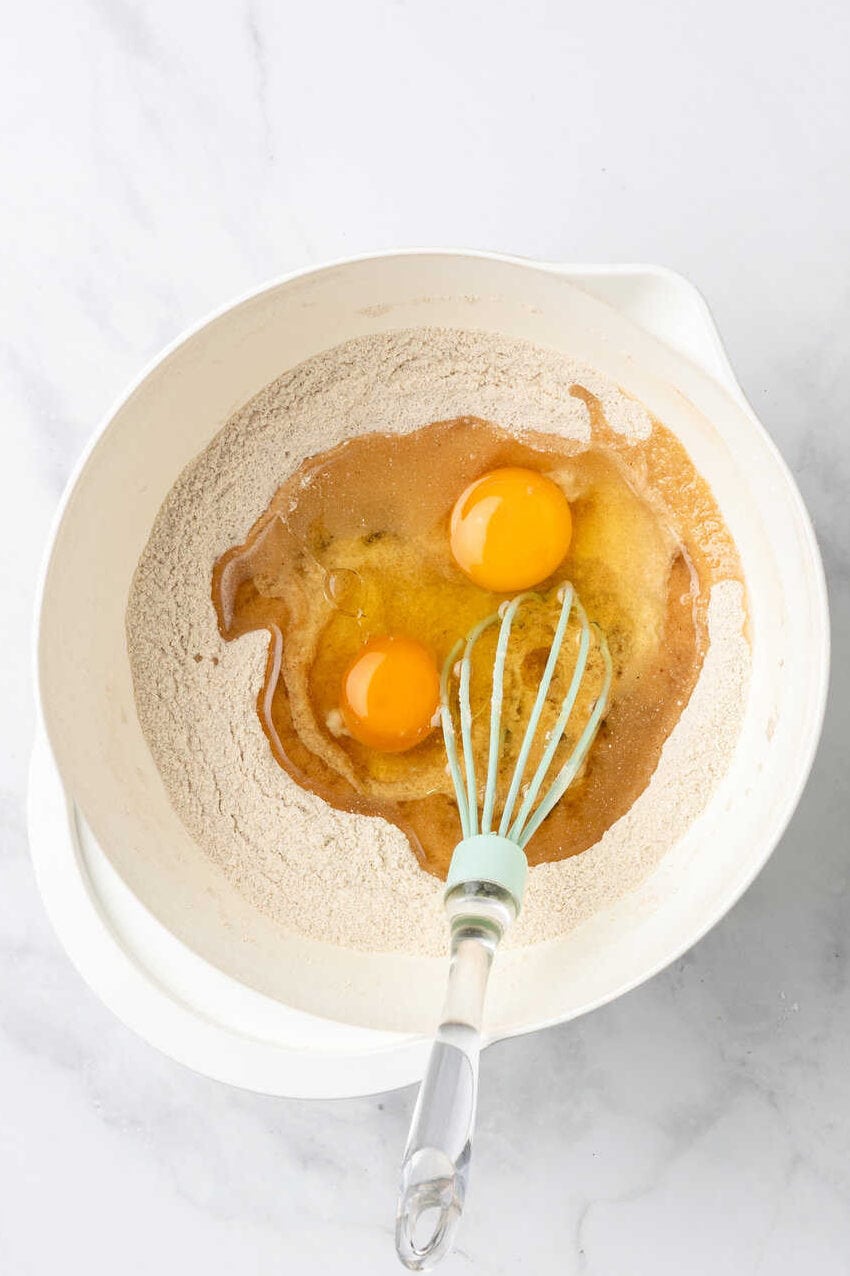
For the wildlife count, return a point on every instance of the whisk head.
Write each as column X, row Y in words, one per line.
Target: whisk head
column 551, row 745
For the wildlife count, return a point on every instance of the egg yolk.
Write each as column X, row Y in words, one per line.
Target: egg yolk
column 390, row 694
column 510, row 529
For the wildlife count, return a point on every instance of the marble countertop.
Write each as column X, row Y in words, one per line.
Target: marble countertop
column 161, row 156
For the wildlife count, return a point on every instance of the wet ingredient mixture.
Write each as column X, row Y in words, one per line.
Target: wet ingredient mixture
column 369, row 564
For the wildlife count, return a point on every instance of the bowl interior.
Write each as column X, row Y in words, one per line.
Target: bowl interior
column 170, row 416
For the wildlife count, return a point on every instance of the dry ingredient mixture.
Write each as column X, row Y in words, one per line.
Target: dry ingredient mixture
column 322, row 506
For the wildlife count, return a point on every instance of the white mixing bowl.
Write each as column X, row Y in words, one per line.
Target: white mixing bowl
column 89, row 716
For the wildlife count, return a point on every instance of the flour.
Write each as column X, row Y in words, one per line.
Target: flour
column 348, row 879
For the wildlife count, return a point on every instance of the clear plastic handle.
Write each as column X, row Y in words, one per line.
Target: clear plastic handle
column 435, row 1170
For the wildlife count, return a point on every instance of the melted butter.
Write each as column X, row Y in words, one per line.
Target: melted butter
column 354, row 544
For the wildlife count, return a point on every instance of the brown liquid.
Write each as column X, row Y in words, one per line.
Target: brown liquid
column 354, row 544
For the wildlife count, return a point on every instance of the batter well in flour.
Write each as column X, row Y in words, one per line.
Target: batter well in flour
column 355, row 545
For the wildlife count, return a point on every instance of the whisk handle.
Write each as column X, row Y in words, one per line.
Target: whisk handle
column 436, row 1166
column 435, row 1169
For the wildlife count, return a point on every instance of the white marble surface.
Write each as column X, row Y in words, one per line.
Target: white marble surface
column 161, row 156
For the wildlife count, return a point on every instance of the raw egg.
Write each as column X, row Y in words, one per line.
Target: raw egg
column 390, row 694
column 510, row 529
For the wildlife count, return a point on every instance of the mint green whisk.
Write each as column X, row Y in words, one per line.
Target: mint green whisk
column 484, row 891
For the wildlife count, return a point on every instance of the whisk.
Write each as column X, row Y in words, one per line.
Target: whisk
column 484, row 891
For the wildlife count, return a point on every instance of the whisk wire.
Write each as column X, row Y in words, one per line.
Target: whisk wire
column 568, row 771
column 464, row 778
column 466, row 718
column 450, row 737
column 497, row 696
column 534, row 718
column 466, row 734
column 559, row 727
